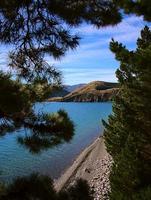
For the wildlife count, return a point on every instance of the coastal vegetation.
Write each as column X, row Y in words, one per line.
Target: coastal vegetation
column 36, row 29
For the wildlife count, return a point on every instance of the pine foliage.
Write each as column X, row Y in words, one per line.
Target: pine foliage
column 127, row 133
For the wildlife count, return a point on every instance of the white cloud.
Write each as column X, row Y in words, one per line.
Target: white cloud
column 131, row 24
column 126, row 32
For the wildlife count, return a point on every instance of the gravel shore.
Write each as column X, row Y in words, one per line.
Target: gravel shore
column 100, row 183
column 93, row 165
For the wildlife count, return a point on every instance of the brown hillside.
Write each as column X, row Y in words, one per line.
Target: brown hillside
column 95, row 91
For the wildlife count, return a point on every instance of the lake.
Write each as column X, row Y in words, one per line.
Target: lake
column 15, row 160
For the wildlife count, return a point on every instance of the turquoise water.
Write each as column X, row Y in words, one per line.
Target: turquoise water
column 15, row 160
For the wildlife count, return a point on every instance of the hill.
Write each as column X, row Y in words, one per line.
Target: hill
column 96, row 91
column 59, row 92
column 66, row 89
column 71, row 88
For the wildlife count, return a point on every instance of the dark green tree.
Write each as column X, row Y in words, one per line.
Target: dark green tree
column 127, row 133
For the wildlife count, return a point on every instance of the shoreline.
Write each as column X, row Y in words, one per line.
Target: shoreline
column 84, row 166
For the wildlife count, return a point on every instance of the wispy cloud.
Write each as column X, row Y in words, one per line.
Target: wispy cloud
column 129, row 24
column 93, row 52
column 85, row 76
column 93, row 60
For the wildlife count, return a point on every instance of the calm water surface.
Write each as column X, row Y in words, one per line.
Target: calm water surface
column 15, row 160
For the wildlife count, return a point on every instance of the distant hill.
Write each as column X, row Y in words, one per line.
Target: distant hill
column 71, row 88
column 66, row 89
column 96, row 91
column 59, row 93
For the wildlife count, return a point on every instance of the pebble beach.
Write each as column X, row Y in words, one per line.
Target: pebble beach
column 93, row 165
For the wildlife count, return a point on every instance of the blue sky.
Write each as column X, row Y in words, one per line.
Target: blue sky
column 92, row 60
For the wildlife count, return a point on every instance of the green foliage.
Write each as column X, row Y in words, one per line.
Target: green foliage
column 79, row 191
column 14, row 98
column 39, row 187
column 47, row 131
column 144, row 194
column 138, row 7
column 34, row 187
column 127, row 133
column 2, row 190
